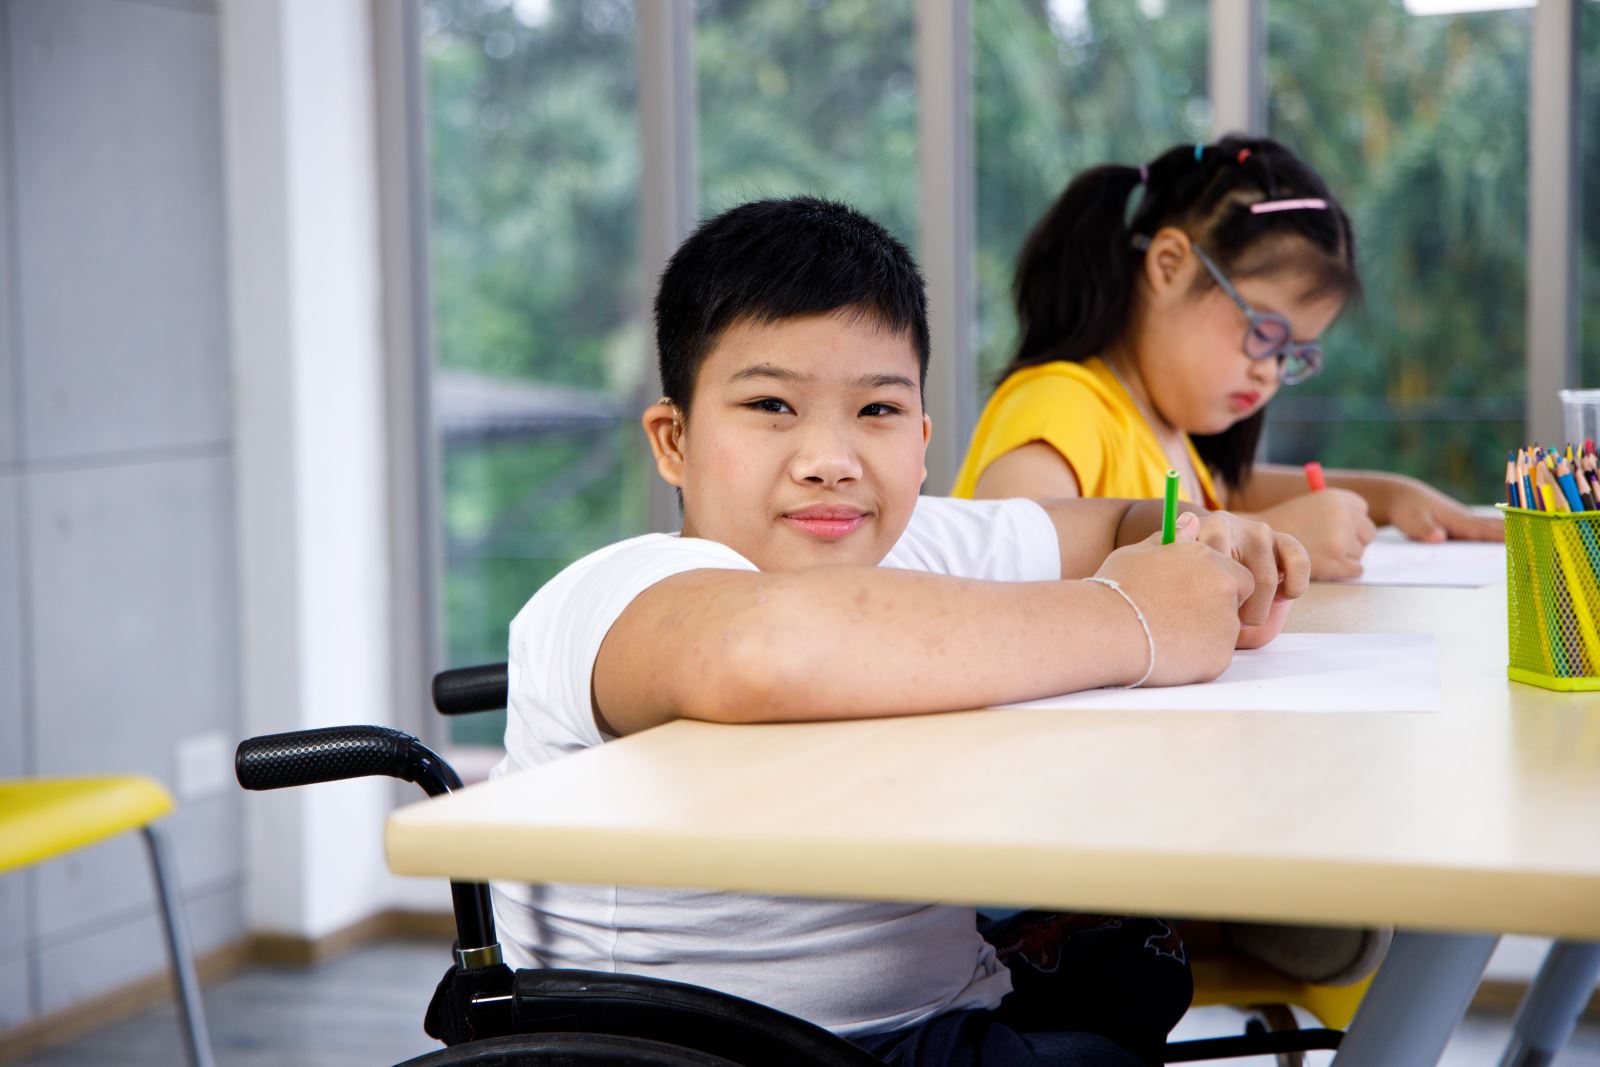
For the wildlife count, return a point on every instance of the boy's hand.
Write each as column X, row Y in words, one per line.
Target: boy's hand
column 1423, row 513
column 1191, row 595
column 1256, row 636
column 1276, row 560
column 1334, row 527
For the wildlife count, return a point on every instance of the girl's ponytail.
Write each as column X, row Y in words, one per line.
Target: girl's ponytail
column 1076, row 273
column 1074, row 281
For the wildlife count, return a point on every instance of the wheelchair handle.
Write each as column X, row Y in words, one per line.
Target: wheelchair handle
column 303, row 757
column 468, row 689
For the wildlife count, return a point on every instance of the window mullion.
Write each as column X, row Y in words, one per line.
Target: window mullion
column 947, row 221
column 668, row 179
column 1554, row 225
column 1238, row 66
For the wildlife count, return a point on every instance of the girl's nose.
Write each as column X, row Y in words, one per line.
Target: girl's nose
column 1264, row 372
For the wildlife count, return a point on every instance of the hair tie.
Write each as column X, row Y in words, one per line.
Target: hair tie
column 1266, row 207
column 1244, row 154
column 1144, row 174
column 1199, row 149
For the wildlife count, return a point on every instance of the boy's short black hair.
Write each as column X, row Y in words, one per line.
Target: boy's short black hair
column 771, row 260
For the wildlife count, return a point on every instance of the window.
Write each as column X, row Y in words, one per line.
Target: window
column 1418, row 121
column 1059, row 86
column 539, row 341
column 816, row 97
column 1589, row 201
column 1420, row 125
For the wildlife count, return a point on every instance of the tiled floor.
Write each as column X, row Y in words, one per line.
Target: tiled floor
column 366, row 1009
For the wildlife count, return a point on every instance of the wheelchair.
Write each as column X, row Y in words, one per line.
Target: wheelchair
column 488, row 1015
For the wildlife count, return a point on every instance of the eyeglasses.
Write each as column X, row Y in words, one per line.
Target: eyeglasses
column 1267, row 335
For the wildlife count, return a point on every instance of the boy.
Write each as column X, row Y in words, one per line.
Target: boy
column 810, row 581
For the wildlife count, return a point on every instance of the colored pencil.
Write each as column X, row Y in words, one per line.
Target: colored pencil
column 1568, row 486
column 1585, row 491
column 1169, row 511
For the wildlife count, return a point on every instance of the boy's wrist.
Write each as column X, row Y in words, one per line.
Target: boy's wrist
column 1144, row 628
column 1124, row 658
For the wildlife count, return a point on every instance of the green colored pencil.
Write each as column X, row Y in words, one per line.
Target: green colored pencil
column 1169, row 515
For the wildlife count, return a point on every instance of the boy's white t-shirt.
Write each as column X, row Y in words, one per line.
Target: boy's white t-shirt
column 852, row 967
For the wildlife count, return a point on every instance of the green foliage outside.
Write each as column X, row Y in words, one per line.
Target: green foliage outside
column 1050, row 100
column 817, row 98
column 1421, row 126
column 534, row 168
column 534, row 165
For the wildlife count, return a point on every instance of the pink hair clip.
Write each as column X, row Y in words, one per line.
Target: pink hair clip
column 1307, row 204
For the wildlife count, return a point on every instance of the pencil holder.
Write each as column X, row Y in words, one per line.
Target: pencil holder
column 1553, row 598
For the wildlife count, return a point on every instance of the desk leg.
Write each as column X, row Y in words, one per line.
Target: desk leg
column 1551, row 1007
column 1417, row 999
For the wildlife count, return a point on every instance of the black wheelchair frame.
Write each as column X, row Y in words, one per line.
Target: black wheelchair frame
column 488, row 1015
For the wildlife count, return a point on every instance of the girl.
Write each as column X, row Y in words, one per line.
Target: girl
column 1155, row 343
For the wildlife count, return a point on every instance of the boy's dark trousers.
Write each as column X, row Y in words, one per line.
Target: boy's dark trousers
column 1088, row 991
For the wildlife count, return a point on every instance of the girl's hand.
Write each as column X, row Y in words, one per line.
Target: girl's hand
column 1334, row 527
column 1423, row 513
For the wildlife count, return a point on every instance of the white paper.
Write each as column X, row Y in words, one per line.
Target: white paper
column 1296, row 672
column 1451, row 563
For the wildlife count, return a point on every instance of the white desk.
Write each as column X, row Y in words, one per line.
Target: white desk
column 1482, row 818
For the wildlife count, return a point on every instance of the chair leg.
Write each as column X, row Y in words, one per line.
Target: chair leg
column 190, row 1008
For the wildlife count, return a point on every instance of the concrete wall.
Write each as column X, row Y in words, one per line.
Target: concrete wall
column 119, row 633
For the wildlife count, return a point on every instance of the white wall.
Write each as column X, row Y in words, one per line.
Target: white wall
column 308, row 358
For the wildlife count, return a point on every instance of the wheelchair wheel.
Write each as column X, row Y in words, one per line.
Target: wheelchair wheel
column 568, row 1050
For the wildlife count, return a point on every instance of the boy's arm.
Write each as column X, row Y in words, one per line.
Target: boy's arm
column 1089, row 530
column 863, row 642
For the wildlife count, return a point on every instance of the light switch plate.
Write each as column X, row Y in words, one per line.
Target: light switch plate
column 204, row 766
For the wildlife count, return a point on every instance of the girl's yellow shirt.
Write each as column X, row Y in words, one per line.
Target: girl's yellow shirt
column 1082, row 411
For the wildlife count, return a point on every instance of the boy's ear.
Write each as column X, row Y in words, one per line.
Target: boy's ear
column 927, row 435
column 663, row 425
column 1168, row 262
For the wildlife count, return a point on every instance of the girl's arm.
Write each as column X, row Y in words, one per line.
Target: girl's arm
column 1035, row 471
column 1271, row 484
column 1418, row 510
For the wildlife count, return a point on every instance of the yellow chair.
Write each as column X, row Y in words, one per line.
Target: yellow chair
column 42, row 818
column 1236, row 981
